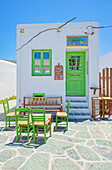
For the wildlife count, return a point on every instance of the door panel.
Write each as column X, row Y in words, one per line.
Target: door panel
column 75, row 73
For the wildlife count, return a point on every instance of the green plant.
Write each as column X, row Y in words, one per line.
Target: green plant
column 10, row 98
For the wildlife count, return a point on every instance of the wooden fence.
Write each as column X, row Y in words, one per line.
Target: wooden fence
column 105, row 83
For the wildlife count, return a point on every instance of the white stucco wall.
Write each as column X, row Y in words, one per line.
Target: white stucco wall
column 28, row 84
column 105, row 61
column 7, row 79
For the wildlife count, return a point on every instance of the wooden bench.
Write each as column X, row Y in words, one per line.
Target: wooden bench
column 51, row 104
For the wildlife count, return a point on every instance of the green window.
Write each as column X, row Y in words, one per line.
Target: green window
column 41, row 62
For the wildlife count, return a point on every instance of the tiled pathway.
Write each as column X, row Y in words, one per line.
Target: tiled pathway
column 87, row 145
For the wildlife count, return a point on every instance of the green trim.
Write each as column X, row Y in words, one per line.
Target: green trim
column 87, row 67
column 39, row 94
column 42, row 62
column 79, row 80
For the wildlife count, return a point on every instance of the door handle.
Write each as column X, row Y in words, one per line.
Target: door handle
column 67, row 75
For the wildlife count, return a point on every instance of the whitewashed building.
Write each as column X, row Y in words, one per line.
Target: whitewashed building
column 61, row 62
column 7, row 79
column 105, row 61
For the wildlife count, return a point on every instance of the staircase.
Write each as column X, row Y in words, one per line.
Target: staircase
column 79, row 108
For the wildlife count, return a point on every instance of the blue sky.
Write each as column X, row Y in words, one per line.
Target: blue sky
column 13, row 12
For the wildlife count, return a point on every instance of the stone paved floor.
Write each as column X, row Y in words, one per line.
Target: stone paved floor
column 87, row 145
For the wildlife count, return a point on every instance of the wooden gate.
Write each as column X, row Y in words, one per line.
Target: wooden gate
column 105, row 83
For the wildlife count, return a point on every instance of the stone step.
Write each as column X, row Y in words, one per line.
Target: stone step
column 76, row 99
column 79, row 107
column 79, row 116
column 77, row 104
column 79, row 110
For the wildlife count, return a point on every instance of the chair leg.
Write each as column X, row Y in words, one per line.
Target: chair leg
column 37, row 130
column 67, row 125
column 50, row 128
column 56, row 122
column 20, row 130
column 17, row 135
column 6, row 123
column 9, row 121
column 28, row 133
column 45, row 134
column 34, row 137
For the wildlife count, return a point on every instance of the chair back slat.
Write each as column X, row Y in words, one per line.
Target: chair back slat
column 39, row 101
column 56, row 100
column 42, row 101
column 38, row 118
column 32, row 100
column 52, row 101
column 6, row 106
column 49, row 101
column 46, row 101
column 20, row 117
column 35, row 101
column 29, row 101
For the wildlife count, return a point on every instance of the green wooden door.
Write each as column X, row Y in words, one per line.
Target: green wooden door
column 76, row 73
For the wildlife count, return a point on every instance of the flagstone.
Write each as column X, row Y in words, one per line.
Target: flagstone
column 70, row 132
column 25, row 151
column 3, row 146
column 72, row 154
column 14, row 163
column 78, row 127
column 55, row 146
column 86, row 123
column 106, row 129
column 100, row 123
column 69, row 139
column 104, row 159
column 90, row 142
column 37, row 161
column 80, row 163
column 3, row 138
column 96, row 133
column 11, row 133
column 109, row 137
column 64, row 164
column 104, row 142
column 82, row 134
column 7, row 154
column 99, row 166
column 87, row 153
column 110, row 123
column 72, row 123
column 104, row 151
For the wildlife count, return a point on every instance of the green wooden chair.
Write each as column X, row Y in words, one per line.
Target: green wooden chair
column 39, row 123
column 63, row 116
column 23, row 122
column 8, row 114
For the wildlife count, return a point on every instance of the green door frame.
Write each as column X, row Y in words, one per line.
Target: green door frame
column 76, row 76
